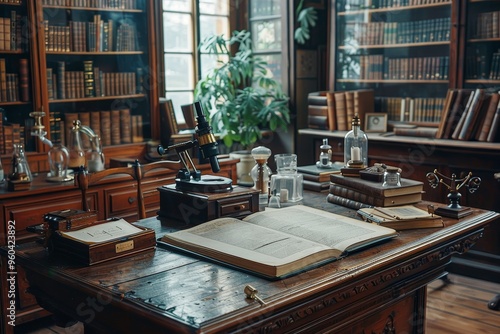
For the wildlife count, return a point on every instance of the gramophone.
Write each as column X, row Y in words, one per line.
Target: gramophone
column 196, row 198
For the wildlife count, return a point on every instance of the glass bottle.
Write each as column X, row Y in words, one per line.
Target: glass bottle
column 76, row 152
column 20, row 167
column 325, row 155
column 356, row 146
column 261, row 172
column 58, row 162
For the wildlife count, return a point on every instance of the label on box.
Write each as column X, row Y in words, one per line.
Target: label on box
column 124, row 246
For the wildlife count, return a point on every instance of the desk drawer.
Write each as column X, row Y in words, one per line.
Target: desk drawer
column 235, row 207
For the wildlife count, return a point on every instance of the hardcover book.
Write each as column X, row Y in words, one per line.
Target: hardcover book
column 404, row 217
column 279, row 242
column 372, row 200
column 408, row 186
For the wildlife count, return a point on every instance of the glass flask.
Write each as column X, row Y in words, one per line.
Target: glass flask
column 20, row 167
column 76, row 152
column 58, row 157
column 325, row 155
column 287, row 184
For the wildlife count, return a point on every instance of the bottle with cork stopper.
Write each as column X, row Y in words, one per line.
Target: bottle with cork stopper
column 356, row 146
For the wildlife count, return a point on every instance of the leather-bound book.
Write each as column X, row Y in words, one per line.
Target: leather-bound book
column 24, row 80
column 488, row 117
column 341, row 111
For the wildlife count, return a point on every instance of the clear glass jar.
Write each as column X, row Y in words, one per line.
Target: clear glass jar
column 287, row 184
column 392, row 177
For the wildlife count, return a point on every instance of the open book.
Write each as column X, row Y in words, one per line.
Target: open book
column 403, row 217
column 279, row 242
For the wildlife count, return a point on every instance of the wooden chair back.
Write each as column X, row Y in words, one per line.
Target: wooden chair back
column 136, row 171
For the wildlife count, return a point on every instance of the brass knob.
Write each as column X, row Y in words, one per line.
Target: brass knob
column 251, row 293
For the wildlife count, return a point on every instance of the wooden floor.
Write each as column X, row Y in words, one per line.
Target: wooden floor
column 459, row 306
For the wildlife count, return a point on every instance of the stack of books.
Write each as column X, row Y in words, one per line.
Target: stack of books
column 357, row 193
column 317, row 179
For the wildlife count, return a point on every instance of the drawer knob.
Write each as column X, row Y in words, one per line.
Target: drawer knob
column 239, row 207
column 131, row 200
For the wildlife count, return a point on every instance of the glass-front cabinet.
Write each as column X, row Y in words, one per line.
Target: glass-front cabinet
column 481, row 62
column 399, row 49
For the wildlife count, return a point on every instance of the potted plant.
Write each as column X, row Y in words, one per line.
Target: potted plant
column 240, row 96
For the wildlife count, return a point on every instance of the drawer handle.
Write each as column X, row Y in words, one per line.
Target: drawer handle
column 239, row 207
column 131, row 200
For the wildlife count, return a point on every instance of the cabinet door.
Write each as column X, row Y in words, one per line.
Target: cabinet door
column 16, row 70
column 96, row 65
column 402, row 51
column 481, row 37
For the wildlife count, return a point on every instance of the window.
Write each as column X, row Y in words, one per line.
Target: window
column 182, row 32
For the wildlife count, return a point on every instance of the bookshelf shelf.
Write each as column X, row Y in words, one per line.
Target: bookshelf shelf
column 124, row 10
column 389, row 81
column 402, row 45
column 393, row 9
column 97, row 53
column 101, row 98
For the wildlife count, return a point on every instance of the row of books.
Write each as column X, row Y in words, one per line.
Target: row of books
column 488, row 25
column 378, row 67
column 90, row 82
column 357, row 193
column 11, row 28
column 115, row 126
column 11, row 1
column 387, row 33
column 334, row 110
column 351, row 5
column 408, row 109
column 118, row 4
column 483, row 65
column 96, row 36
column 14, row 86
column 470, row 115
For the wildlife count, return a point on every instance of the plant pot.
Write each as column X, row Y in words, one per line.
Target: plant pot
column 244, row 167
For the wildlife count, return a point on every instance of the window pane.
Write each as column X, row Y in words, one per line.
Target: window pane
column 213, row 25
column 208, row 62
column 274, row 65
column 266, row 35
column 179, row 99
column 177, row 32
column 177, row 5
column 179, row 71
column 214, row 7
column 265, row 7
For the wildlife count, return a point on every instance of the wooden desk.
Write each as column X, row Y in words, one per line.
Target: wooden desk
column 165, row 291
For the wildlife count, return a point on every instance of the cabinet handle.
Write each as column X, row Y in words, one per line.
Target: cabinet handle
column 131, row 200
column 239, row 207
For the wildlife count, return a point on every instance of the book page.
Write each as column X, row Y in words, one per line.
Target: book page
column 333, row 230
column 103, row 232
column 230, row 239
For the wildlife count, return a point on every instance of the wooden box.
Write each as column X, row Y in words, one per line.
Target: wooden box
column 195, row 207
column 90, row 254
